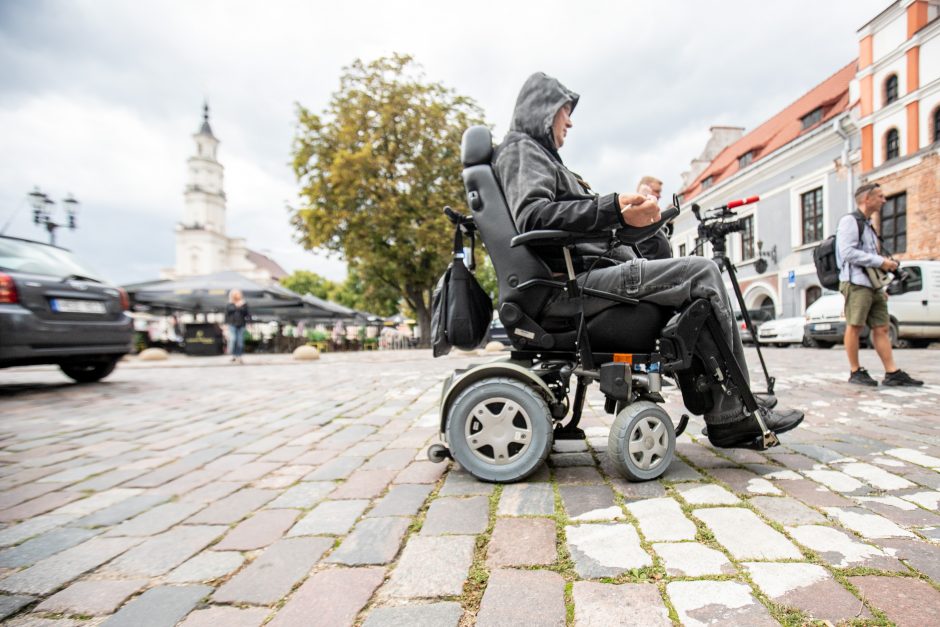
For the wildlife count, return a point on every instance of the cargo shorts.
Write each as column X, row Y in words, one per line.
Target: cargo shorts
column 864, row 305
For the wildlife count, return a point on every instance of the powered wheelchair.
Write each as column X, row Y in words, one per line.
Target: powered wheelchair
column 499, row 419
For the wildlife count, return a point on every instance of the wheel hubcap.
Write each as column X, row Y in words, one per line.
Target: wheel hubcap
column 498, row 431
column 648, row 443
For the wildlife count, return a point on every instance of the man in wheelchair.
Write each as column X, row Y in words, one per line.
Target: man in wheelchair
column 576, row 300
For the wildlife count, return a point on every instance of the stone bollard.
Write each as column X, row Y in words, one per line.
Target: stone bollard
column 494, row 347
column 306, row 353
column 153, row 354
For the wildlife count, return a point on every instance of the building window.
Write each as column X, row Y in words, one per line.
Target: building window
column 707, row 182
column 892, row 145
column 812, row 295
column 746, row 159
column 682, row 250
column 936, row 124
column 891, row 89
column 699, row 249
column 812, row 117
column 894, row 223
column 811, row 204
column 747, row 238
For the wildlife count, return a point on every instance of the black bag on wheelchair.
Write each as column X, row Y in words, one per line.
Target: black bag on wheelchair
column 461, row 311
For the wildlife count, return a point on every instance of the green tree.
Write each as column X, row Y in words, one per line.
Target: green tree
column 375, row 171
column 306, row 282
column 353, row 293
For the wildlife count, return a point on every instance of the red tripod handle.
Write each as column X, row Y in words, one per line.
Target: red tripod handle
column 741, row 203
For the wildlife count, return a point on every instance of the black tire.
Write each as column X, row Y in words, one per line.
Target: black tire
column 894, row 336
column 88, row 371
column 512, row 406
column 639, row 424
column 824, row 344
column 782, row 345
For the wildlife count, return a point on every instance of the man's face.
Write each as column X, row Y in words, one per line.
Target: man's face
column 873, row 202
column 656, row 189
column 561, row 125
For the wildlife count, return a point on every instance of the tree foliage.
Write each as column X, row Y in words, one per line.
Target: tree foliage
column 380, row 299
column 375, row 170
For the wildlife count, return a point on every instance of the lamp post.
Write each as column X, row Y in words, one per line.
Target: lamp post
column 44, row 212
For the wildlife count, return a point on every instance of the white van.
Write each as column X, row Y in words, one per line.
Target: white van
column 915, row 315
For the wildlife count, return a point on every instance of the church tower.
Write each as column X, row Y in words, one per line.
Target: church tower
column 201, row 244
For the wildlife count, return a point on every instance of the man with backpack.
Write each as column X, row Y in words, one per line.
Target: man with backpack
column 858, row 254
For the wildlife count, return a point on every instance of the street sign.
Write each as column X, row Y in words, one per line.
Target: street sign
column 791, row 278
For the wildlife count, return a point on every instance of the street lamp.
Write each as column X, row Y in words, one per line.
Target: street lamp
column 44, row 212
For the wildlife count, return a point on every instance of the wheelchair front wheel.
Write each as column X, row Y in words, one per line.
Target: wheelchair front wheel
column 642, row 441
column 499, row 430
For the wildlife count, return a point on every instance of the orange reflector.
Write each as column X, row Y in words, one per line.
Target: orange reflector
column 623, row 358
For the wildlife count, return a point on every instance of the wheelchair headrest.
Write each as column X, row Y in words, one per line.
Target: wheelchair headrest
column 477, row 146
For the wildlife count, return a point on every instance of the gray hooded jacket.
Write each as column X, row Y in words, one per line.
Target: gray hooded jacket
column 540, row 191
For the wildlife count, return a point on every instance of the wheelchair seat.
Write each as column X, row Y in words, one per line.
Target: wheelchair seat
column 537, row 316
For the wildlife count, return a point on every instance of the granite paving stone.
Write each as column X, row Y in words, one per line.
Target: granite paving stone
column 161, row 553
column 233, row 507
column 446, row 614
column 592, row 502
column 522, row 542
column 717, row 603
column 837, row 481
column 706, row 494
column 605, row 550
column 662, row 520
column 431, row 566
column 364, row 484
column 13, row 603
column 156, row 520
column 513, row 597
column 745, row 535
column 807, row 587
column 304, row 495
column 813, row 493
column 273, row 573
column 330, row 518
column 786, row 510
column 336, row 468
column 120, row 512
column 420, row 472
column 604, row 604
column 51, row 573
column 564, row 460
column 259, row 531
column 163, row 606
column 212, row 492
column 44, row 546
column 334, row 596
column 95, row 597
column 839, row 549
column 462, row 483
column 526, row 499
column 874, row 476
column 457, row 516
column 867, row 524
column 390, row 459
column 578, row 475
column 41, row 505
column 372, row 541
column 402, row 500
column 220, row 616
column 206, row 566
column 922, row 556
column 745, row 482
column 927, row 500
column 906, row 602
column 691, row 559
column 899, row 511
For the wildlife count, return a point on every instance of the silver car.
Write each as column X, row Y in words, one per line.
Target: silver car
column 54, row 310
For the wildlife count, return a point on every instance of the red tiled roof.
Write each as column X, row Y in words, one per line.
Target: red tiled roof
column 832, row 95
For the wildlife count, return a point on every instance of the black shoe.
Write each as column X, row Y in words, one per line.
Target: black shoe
column 746, row 433
column 861, row 377
column 900, row 378
column 764, row 399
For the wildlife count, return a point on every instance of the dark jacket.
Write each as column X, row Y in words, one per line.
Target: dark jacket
column 237, row 316
column 540, row 191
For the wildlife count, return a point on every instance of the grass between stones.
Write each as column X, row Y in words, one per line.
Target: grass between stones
column 479, row 574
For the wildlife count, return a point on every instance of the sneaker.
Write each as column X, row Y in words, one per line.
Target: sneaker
column 746, row 433
column 901, row 378
column 861, row 377
column 764, row 399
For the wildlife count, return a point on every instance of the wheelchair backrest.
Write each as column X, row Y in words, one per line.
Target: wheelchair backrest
column 496, row 227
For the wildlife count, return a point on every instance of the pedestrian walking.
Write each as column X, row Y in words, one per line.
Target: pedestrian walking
column 864, row 303
column 236, row 317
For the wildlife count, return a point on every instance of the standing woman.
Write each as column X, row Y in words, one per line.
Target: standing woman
column 236, row 317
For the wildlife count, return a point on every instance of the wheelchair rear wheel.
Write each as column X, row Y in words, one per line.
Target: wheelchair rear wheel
column 642, row 441
column 499, row 430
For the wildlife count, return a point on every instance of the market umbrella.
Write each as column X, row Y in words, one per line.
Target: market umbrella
column 209, row 293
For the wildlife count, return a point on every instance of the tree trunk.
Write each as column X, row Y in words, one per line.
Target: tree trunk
column 423, row 314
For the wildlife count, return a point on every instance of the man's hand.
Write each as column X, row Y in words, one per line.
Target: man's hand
column 889, row 265
column 638, row 210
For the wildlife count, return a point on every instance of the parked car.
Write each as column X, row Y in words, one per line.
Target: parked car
column 55, row 310
column 915, row 315
column 498, row 333
column 782, row 332
column 758, row 317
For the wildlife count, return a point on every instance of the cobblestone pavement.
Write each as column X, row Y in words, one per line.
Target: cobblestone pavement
column 194, row 492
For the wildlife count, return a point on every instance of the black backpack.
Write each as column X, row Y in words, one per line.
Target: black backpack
column 461, row 311
column 824, row 256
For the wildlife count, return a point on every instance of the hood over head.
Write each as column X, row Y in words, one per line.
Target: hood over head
column 539, row 100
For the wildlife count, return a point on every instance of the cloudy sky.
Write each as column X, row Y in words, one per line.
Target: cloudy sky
column 100, row 97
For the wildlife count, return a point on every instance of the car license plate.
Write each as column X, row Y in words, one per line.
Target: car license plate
column 825, row 326
column 61, row 305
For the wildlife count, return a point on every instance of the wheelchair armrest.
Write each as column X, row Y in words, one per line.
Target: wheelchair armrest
column 558, row 238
